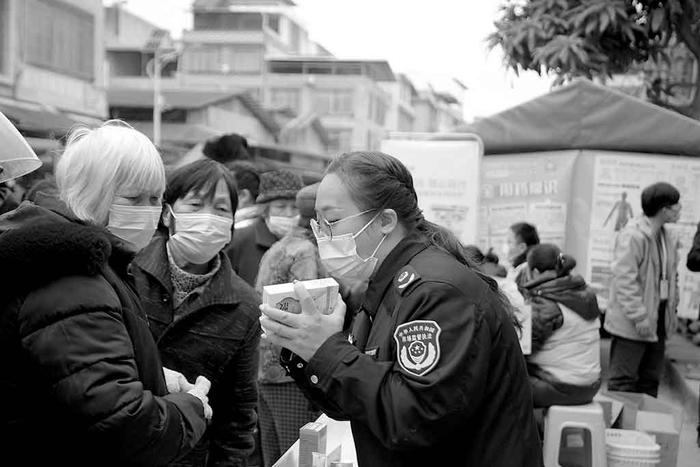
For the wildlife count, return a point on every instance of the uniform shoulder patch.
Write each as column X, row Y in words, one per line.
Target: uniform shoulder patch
column 404, row 278
column 418, row 346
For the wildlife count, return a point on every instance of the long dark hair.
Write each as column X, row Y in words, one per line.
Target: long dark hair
column 378, row 180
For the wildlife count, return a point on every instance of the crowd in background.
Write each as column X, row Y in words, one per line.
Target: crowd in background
column 132, row 306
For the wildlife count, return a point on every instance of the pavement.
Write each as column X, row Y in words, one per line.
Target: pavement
column 680, row 387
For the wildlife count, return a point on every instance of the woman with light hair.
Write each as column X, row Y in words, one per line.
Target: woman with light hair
column 79, row 362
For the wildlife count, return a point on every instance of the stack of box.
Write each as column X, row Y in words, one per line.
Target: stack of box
column 324, row 293
column 312, row 438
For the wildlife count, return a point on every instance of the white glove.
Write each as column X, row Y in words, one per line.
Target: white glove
column 200, row 390
column 176, row 381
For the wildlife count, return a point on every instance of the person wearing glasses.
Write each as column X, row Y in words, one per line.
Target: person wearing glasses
column 431, row 367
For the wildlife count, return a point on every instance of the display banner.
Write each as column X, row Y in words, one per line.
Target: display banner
column 446, row 178
column 617, row 187
column 532, row 187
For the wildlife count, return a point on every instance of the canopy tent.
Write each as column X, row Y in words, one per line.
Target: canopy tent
column 584, row 115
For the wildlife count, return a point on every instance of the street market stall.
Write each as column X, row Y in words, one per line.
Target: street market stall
column 574, row 162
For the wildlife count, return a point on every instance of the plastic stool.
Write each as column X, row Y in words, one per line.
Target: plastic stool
column 574, row 436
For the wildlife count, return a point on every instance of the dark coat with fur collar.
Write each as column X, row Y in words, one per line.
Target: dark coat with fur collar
column 81, row 380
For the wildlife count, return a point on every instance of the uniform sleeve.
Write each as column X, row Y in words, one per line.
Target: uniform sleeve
column 234, row 404
column 628, row 256
column 86, row 359
column 404, row 410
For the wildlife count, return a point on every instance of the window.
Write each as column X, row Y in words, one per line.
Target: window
column 286, row 97
column 273, row 22
column 380, row 112
column 124, row 63
column 60, row 37
column 287, row 67
column 223, row 59
column 334, row 102
column 339, row 140
column 228, row 21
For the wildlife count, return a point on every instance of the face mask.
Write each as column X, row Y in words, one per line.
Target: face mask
column 281, row 225
column 198, row 237
column 134, row 224
column 340, row 259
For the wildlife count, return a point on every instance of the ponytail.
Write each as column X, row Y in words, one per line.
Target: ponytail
column 548, row 257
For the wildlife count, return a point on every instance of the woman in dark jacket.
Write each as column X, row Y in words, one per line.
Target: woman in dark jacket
column 431, row 370
column 564, row 365
column 204, row 317
column 81, row 379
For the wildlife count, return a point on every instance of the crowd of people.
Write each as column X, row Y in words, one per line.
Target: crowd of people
column 132, row 330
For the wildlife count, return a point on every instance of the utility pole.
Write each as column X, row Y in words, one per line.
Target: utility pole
column 157, row 98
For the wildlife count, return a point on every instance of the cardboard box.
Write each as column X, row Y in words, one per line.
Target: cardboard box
column 312, row 438
column 324, row 293
column 612, row 408
column 645, row 413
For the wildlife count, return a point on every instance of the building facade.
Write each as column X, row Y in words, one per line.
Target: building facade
column 51, row 66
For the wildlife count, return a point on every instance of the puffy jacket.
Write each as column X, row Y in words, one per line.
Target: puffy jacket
column 82, row 381
column 565, row 328
column 634, row 290
column 544, row 294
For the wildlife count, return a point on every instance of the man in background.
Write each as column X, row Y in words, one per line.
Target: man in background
column 643, row 293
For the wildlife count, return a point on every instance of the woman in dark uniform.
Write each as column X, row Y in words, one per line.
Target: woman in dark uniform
column 431, row 370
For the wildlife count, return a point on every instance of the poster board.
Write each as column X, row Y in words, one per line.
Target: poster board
column 533, row 187
column 446, row 175
column 618, row 181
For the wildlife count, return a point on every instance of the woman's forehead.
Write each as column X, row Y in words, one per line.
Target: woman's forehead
column 333, row 195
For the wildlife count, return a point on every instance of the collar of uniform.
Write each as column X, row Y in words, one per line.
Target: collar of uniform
column 399, row 257
column 263, row 236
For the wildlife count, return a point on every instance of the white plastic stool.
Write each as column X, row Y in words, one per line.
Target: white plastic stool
column 574, row 435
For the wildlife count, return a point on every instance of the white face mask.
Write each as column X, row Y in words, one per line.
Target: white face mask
column 198, row 237
column 282, row 225
column 340, row 258
column 134, row 224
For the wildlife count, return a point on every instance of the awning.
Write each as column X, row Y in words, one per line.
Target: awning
column 36, row 118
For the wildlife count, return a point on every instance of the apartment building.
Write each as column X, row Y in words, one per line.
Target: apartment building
column 51, row 66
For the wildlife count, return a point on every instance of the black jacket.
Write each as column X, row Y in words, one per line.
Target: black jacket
column 81, row 378
column 434, row 373
column 216, row 336
column 247, row 249
column 545, row 292
column 693, row 259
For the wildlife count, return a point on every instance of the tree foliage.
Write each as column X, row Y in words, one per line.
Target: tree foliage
column 595, row 38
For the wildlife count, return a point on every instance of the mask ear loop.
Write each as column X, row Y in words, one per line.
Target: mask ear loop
column 173, row 218
column 368, row 224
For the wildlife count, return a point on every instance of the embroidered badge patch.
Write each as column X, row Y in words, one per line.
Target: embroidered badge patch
column 418, row 346
column 407, row 276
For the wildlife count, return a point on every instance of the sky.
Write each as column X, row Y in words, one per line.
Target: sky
column 430, row 40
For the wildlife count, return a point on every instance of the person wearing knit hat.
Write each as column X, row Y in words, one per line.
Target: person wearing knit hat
column 283, row 408
column 277, row 199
